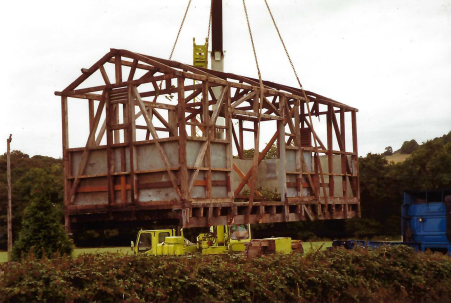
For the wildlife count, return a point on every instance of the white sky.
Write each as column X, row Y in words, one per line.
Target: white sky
column 391, row 59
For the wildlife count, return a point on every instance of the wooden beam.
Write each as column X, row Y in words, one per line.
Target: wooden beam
column 104, row 75
column 208, row 135
column 330, row 156
column 66, row 162
column 85, row 155
column 155, row 136
column 182, row 140
column 132, row 148
column 217, row 109
column 92, row 69
column 237, row 144
column 131, row 75
column 261, row 157
column 197, row 164
column 242, row 99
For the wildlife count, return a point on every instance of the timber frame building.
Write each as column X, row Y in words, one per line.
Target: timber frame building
column 160, row 144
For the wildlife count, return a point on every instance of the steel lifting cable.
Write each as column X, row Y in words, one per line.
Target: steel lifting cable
column 173, row 47
column 303, row 92
column 256, row 151
column 209, row 24
column 180, row 30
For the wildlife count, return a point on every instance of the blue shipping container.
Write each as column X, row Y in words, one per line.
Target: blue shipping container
column 425, row 219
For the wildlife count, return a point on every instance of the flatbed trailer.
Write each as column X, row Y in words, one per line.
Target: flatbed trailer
column 425, row 222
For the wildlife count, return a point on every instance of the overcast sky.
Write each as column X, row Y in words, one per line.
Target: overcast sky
column 391, row 59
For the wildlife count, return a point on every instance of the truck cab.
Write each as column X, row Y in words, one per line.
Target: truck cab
column 147, row 240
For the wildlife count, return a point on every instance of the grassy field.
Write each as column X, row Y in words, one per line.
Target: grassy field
column 397, row 157
column 308, row 246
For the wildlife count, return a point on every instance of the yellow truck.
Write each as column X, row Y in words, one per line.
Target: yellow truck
column 222, row 239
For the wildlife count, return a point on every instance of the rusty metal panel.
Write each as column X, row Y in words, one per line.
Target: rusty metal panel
column 219, row 191
column 218, row 152
column 158, row 193
column 149, row 158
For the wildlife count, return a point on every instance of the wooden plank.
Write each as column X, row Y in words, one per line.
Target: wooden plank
column 155, row 136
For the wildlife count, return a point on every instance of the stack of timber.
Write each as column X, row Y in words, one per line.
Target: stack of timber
column 260, row 247
column 160, row 145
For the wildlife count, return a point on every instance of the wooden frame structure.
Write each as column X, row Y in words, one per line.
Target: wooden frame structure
column 183, row 169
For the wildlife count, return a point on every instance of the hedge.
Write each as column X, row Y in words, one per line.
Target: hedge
column 390, row 274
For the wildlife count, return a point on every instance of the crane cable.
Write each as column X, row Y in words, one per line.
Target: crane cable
column 256, row 148
column 209, row 25
column 180, row 30
column 303, row 92
column 173, row 47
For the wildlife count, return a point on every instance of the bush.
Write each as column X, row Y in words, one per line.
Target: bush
column 391, row 274
column 41, row 230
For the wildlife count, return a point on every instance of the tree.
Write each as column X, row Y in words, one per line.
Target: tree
column 41, row 223
column 363, row 228
column 388, row 151
column 409, row 147
column 271, row 154
column 22, row 179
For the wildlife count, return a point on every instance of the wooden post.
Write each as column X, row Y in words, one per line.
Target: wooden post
column 10, row 215
column 66, row 163
column 356, row 158
column 281, row 151
column 330, row 159
column 182, row 140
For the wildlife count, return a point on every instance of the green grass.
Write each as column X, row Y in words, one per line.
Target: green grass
column 3, row 256
column 308, row 246
column 121, row 250
column 397, row 157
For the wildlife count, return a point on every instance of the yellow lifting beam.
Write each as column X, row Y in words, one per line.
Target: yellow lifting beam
column 200, row 54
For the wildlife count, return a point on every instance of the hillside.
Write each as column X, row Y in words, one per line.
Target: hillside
column 397, row 157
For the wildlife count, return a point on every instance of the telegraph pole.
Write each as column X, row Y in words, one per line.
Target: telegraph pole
column 217, row 52
column 10, row 217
